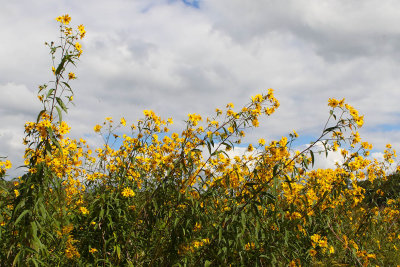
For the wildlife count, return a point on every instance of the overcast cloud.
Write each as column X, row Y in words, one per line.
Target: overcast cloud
column 180, row 57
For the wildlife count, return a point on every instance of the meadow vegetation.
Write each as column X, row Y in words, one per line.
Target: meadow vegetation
column 178, row 199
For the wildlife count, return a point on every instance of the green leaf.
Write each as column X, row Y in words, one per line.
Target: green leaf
column 60, row 66
column 67, row 85
column 305, row 162
column 59, row 114
column 243, row 220
column 275, row 170
column 207, row 263
column 53, row 139
column 50, row 92
column 34, row 230
column 21, row 216
column 40, row 115
column 208, row 147
column 61, row 103
column 118, row 252
column 312, row 157
column 330, row 129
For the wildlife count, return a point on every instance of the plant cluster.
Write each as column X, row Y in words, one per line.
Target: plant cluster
column 180, row 199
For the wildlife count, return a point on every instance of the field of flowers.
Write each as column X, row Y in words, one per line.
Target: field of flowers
column 178, row 199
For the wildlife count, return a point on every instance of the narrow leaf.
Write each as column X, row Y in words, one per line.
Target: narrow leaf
column 312, row 157
column 61, row 103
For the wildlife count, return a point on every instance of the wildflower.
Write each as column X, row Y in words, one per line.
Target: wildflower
column 92, row 250
column 255, row 122
column 71, row 76
column 250, row 148
column 197, row 227
column 261, row 141
column 8, row 164
column 249, row 246
column 360, row 121
column 123, row 121
column 97, row 128
column 128, row 192
column 78, row 47
column 333, row 102
column 312, row 252
column 66, row 19
column 315, row 239
column 82, row 31
column 16, row 192
column 84, row 210
column 257, row 98
column 283, row 141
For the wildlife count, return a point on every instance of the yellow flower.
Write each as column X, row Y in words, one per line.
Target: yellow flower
column 8, row 164
column 197, row 227
column 78, row 47
column 92, row 250
column 16, row 192
column 257, row 98
column 84, row 210
column 249, row 246
column 261, row 141
column 123, row 121
column 64, row 19
column 255, row 122
column 250, row 148
column 315, row 239
column 71, row 76
column 312, row 252
column 82, row 31
column 128, row 192
column 283, row 141
column 97, row 128
column 333, row 102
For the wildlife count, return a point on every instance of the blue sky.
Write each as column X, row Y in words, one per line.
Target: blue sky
column 192, row 3
column 181, row 57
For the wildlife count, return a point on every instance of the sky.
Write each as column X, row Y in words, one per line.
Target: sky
column 185, row 56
